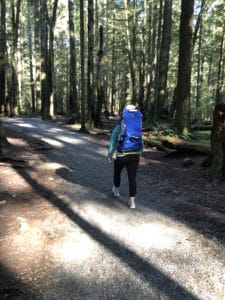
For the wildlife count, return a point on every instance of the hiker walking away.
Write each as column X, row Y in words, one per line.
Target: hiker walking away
column 126, row 141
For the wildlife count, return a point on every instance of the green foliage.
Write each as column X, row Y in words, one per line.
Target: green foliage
column 141, row 30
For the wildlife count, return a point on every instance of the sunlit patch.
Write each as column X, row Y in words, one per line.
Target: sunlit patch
column 30, row 237
column 52, row 165
column 53, row 142
column 53, row 130
column 70, row 140
column 25, row 125
column 154, row 236
column 72, row 249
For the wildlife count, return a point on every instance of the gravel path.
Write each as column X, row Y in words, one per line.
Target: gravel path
column 86, row 244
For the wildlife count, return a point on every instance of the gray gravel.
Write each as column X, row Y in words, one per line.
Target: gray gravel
column 104, row 250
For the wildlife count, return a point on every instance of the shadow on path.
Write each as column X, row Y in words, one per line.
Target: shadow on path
column 151, row 275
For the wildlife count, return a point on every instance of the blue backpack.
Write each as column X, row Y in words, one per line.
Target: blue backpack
column 130, row 138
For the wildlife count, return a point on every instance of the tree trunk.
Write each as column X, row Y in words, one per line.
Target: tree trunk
column 151, row 58
column 113, row 78
column 3, row 139
column 73, row 103
column 13, row 87
column 36, row 54
column 182, row 118
column 33, row 108
column 51, row 64
column 90, row 73
column 218, row 141
column 3, row 56
column 44, row 60
column 82, row 62
column 164, row 57
column 220, row 79
column 100, row 84
column 130, row 50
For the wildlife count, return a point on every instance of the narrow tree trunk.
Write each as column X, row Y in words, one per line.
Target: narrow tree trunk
column 130, row 55
column 36, row 54
column 73, row 103
column 51, row 64
column 90, row 73
column 33, row 109
column 113, row 79
column 100, row 84
column 44, row 59
column 2, row 55
column 82, row 65
column 13, row 88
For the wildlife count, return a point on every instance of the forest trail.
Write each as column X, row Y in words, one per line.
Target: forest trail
column 64, row 236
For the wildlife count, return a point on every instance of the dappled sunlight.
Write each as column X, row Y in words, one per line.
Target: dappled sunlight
column 73, row 249
column 51, row 166
column 27, row 125
column 55, row 130
column 53, row 142
column 70, row 140
column 72, row 225
column 153, row 234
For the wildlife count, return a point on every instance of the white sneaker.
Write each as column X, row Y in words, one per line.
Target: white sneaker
column 131, row 204
column 115, row 191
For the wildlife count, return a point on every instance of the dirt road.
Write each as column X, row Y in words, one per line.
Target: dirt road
column 64, row 236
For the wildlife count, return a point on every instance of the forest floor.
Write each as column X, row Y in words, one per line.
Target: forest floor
column 64, row 236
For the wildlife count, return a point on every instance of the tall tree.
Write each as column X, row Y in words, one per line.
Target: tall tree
column 100, row 83
column 2, row 54
column 73, row 103
column 13, row 83
column 130, row 51
column 164, row 57
column 36, row 54
column 182, row 118
column 82, row 65
column 221, row 63
column 90, row 71
column 30, row 45
column 47, row 39
column 50, row 70
column 44, row 59
column 3, row 139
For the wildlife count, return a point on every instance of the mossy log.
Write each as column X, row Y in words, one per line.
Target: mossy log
column 175, row 143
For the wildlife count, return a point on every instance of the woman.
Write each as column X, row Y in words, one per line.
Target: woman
column 126, row 140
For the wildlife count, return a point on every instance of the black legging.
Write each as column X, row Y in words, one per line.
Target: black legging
column 130, row 161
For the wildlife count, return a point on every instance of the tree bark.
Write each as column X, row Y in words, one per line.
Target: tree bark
column 164, row 57
column 130, row 50
column 90, row 73
column 3, row 139
column 30, row 44
column 13, row 83
column 3, row 57
column 73, row 103
column 218, row 141
column 182, row 118
column 36, row 54
column 100, row 84
column 82, row 65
